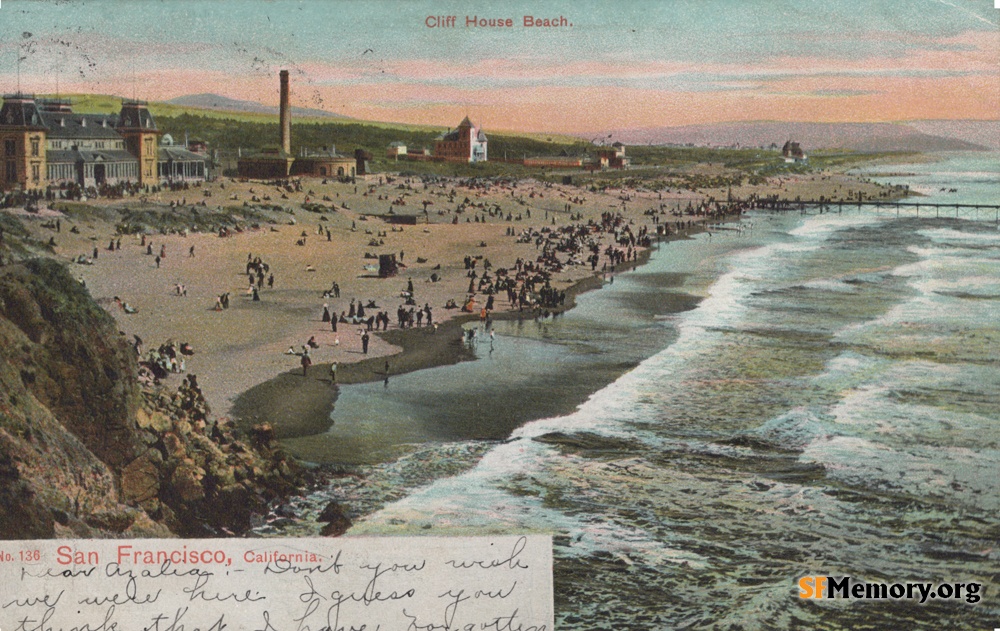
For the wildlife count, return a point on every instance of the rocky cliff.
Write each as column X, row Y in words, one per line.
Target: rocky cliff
column 85, row 450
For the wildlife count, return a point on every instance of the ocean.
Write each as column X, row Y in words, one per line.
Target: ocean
column 792, row 395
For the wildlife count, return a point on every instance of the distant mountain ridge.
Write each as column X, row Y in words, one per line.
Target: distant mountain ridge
column 224, row 103
column 864, row 137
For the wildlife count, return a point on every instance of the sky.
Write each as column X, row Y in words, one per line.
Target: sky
column 620, row 64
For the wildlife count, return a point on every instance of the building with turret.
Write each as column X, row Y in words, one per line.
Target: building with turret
column 44, row 143
column 466, row 143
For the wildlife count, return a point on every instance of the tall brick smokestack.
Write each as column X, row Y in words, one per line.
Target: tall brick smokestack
column 286, row 116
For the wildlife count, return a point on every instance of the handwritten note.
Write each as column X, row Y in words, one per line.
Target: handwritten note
column 388, row 583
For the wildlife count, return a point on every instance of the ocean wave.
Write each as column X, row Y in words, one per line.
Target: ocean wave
column 952, row 474
column 836, row 286
column 797, row 429
column 948, row 235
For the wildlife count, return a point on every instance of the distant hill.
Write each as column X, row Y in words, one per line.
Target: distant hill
column 979, row 132
column 225, row 104
column 924, row 136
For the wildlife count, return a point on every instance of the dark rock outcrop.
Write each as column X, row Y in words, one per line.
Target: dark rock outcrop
column 86, row 451
column 337, row 521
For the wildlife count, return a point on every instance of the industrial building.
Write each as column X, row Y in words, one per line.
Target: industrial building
column 273, row 163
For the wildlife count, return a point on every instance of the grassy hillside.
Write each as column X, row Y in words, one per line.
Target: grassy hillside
column 227, row 135
column 105, row 103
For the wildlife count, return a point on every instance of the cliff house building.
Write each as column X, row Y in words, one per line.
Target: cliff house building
column 43, row 143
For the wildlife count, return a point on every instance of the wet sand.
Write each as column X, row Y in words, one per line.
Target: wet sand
column 298, row 405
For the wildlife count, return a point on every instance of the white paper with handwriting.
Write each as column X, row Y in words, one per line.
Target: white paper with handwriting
column 389, row 583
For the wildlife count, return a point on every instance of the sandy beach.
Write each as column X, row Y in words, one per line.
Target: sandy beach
column 242, row 354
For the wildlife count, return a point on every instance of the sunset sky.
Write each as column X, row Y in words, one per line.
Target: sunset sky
column 622, row 64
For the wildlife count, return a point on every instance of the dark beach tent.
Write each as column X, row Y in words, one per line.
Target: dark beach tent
column 387, row 265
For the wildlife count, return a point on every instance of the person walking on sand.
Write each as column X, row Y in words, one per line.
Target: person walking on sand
column 364, row 342
column 306, row 362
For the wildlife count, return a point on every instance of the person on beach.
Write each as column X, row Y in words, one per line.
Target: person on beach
column 306, row 362
column 364, row 342
column 333, row 372
column 326, row 312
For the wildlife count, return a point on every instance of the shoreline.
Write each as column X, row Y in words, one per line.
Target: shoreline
column 298, row 407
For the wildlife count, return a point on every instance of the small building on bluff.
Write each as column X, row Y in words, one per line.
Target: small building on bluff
column 793, row 153
column 612, row 157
